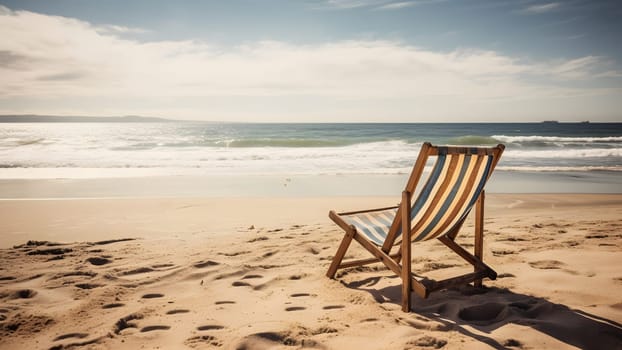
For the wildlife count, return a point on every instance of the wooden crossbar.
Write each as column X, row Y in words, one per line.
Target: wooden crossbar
column 363, row 262
column 433, row 286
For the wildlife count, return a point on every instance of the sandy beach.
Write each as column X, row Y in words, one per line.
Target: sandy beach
column 248, row 273
column 167, row 170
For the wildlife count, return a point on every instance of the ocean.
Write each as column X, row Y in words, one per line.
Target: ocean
column 130, row 150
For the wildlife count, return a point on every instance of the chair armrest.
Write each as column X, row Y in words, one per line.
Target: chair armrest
column 367, row 211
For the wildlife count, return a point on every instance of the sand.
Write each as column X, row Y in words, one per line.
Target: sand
column 248, row 273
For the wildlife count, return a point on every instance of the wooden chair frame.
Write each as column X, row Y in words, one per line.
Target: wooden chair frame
column 400, row 261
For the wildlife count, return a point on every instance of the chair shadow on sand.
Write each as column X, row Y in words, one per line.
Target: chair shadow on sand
column 489, row 308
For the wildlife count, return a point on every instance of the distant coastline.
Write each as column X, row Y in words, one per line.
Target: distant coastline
column 33, row 118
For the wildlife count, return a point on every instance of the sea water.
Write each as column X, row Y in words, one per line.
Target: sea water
column 592, row 151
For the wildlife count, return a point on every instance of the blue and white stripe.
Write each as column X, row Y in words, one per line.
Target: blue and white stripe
column 452, row 188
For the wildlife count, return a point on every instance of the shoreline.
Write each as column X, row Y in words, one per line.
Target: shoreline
column 284, row 185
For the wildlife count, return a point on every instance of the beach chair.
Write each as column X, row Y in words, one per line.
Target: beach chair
column 454, row 186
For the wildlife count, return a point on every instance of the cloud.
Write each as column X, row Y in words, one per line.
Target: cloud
column 405, row 4
column 397, row 5
column 63, row 59
column 348, row 4
column 63, row 76
column 577, row 68
column 115, row 29
column 11, row 60
column 584, row 68
column 377, row 4
column 542, row 8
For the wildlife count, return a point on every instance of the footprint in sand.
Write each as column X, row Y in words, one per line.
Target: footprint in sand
column 71, row 335
column 152, row 296
column 297, row 277
column 333, row 307
column 203, row 339
column 251, row 277
column 154, row 328
column 512, row 343
column 210, row 327
column 313, row 251
column 324, row 330
column 177, row 311
column 512, row 239
column 124, row 323
column 546, row 264
column 98, row 261
column 75, row 274
column 262, row 238
column 295, row 308
column 240, row 284
column 596, row 236
column 426, row 342
column 88, row 285
column 268, row 254
column 298, row 295
column 502, row 252
column 112, row 305
column 268, row 338
column 23, row 294
column 484, row 314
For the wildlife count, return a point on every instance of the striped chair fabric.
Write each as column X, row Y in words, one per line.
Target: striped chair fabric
column 452, row 188
column 374, row 225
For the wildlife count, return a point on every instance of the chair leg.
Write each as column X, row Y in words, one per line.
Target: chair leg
column 478, row 249
column 341, row 252
column 406, row 277
column 405, row 252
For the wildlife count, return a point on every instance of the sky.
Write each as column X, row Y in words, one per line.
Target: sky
column 314, row 60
